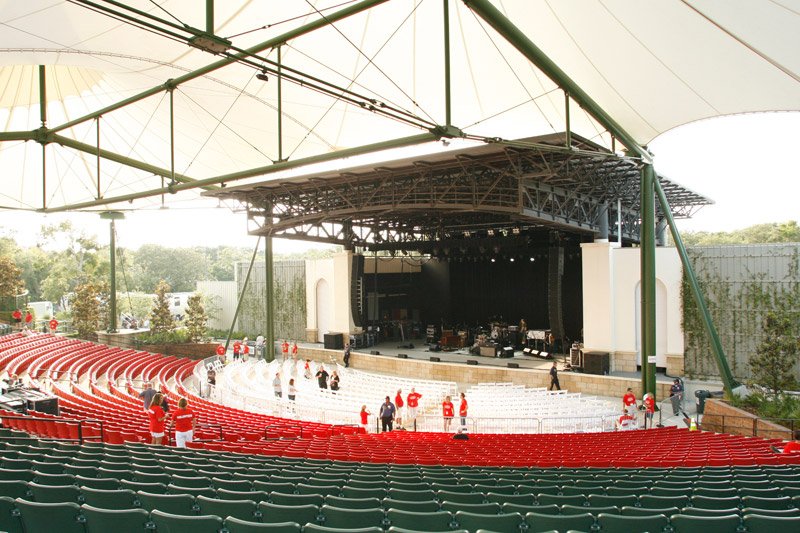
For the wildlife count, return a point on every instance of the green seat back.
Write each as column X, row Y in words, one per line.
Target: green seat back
column 479, row 508
column 498, row 522
column 421, row 521
column 302, row 514
column 296, row 499
column 758, row 523
column 235, row 525
column 352, row 518
column 39, row 517
column 427, row 506
column 539, row 523
column 55, row 493
column 110, row 499
column 705, row 524
column 180, row 504
column 460, row 497
column 173, row 523
column 613, row 523
column 352, row 503
column 117, row 520
column 9, row 518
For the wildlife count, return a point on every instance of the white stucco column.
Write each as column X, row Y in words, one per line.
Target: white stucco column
column 598, row 296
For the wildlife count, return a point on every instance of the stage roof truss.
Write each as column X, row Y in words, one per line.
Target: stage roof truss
column 530, row 185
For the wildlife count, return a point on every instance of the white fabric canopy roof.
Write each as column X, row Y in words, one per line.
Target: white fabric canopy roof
column 651, row 65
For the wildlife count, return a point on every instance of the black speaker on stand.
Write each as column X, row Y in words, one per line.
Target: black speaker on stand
column 334, row 341
column 555, row 274
column 596, row 363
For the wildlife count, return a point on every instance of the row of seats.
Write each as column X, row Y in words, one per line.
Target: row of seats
column 18, row 516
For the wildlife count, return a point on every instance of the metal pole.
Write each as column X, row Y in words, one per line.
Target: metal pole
column 259, row 171
column 568, row 131
column 241, row 294
column 210, row 16
column 619, row 221
column 269, row 300
column 447, row 102
column 275, row 41
column 280, row 108
column 172, row 136
column 602, row 222
column 43, row 118
column 99, row 194
column 520, row 41
column 648, row 280
column 730, row 384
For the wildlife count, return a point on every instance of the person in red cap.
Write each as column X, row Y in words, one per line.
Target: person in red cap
column 398, row 403
column 412, row 402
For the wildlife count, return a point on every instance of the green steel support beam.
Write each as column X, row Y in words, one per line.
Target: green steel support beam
column 241, row 294
column 43, row 96
column 520, row 41
column 269, row 300
column 280, row 107
column 568, row 129
column 729, row 382
column 112, row 156
column 447, row 99
column 271, row 43
column 225, row 178
column 112, row 216
column 99, row 192
column 18, row 136
column 647, row 249
column 172, row 138
column 210, row 16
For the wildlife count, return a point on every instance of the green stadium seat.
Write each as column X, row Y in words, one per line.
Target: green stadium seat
column 476, row 508
column 231, row 484
column 44, row 517
column 53, row 479
column 106, row 483
column 13, row 489
column 525, row 509
column 411, row 495
column 9, row 517
column 783, row 502
column 146, row 477
column 315, row 528
column 256, row 496
column 648, row 511
column 572, row 490
column 611, row 523
column 502, row 489
column 242, row 509
column 47, row 467
column 451, row 487
column 427, row 506
column 541, row 523
column 769, row 492
column 110, row 499
column 118, row 473
column 705, row 502
column 302, row 514
column 136, row 486
column 705, row 524
column 715, row 493
column 649, row 500
column 580, row 509
column 460, row 497
column 117, row 520
column 510, row 522
column 324, row 490
column 404, row 530
column 770, row 512
column 182, row 504
column 758, row 523
column 174, row 523
column 55, row 493
column 296, row 499
column 235, row 525
column 194, row 491
column 601, row 500
column 349, row 491
column 519, row 499
column 195, row 482
column 352, row 518
column 698, row 511
column 352, row 503
column 432, row 521
column 416, row 485
column 574, row 499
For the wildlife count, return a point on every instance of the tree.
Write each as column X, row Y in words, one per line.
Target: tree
column 181, row 268
column 74, row 258
column 775, row 358
column 161, row 320
column 87, row 308
column 775, row 232
column 10, row 278
column 196, row 318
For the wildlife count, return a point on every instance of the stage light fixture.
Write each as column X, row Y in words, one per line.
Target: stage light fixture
column 512, row 259
column 467, row 234
column 532, row 259
column 515, row 231
column 262, row 76
column 490, row 233
column 493, row 259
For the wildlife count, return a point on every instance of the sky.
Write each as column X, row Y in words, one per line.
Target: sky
column 747, row 164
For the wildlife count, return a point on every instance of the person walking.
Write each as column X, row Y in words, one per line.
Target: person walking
column 294, row 351
column 462, row 409
column 412, row 402
column 398, row 403
column 334, row 381
column 675, row 396
column 364, row 414
column 629, row 401
column 307, row 369
column 285, row 349
column 322, row 377
column 649, row 409
column 387, row 412
column 184, row 423
column 447, row 413
column 276, row 385
column 346, row 357
column 260, row 346
column 237, row 349
column 554, row 377
column 157, row 418
column 292, row 390
column 147, row 395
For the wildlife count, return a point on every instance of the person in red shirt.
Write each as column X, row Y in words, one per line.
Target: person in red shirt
column 626, row 421
column 184, row 424
column 28, row 319
column 285, row 349
column 398, row 403
column 412, row 402
column 157, row 418
column 17, row 316
column 649, row 409
column 364, row 418
column 462, row 410
column 793, row 446
column 237, row 348
column 629, row 401
column 447, row 413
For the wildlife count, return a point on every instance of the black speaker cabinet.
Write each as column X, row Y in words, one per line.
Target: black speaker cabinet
column 472, row 362
column 598, row 363
column 334, row 341
column 508, row 351
column 44, row 405
column 402, row 356
column 374, row 352
column 513, row 365
column 435, row 359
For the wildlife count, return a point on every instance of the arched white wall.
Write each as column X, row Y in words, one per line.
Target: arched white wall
column 323, row 318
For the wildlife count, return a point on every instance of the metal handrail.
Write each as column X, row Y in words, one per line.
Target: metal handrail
column 790, row 424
